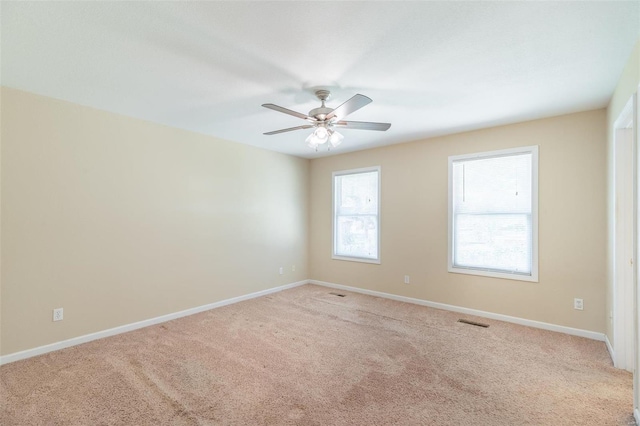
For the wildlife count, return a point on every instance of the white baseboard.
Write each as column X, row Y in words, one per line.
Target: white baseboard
column 152, row 321
column 610, row 349
column 515, row 320
column 17, row 356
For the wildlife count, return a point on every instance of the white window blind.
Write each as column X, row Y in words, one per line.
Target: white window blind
column 356, row 214
column 492, row 212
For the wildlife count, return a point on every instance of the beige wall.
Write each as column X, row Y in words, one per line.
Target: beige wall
column 627, row 86
column 118, row 220
column 572, row 222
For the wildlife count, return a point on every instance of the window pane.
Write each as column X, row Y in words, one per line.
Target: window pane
column 356, row 224
column 493, row 185
column 357, row 236
column 358, row 193
column 499, row 242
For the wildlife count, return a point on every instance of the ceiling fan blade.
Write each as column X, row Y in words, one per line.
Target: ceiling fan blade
column 288, row 111
column 290, row 129
column 352, row 105
column 363, row 125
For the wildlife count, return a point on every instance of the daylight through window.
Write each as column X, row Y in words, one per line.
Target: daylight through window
column 493, row 213
column 356, row 224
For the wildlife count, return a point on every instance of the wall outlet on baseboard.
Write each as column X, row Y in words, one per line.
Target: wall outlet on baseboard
column 281, row 270
column 406, row 279
column 578, row 304
column 58, row 314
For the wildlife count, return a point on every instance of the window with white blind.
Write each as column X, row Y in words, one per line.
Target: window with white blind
column 356, row 215
column 493, row 217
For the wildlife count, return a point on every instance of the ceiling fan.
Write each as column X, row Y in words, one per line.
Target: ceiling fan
column 324, row 119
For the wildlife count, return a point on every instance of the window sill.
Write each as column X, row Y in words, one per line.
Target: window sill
column 504, row 275
column 356, row 259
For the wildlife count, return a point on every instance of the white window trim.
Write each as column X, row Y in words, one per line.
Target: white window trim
column 333, row 213
column 534, row 214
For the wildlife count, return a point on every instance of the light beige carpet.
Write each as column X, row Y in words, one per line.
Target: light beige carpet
column 306, row 357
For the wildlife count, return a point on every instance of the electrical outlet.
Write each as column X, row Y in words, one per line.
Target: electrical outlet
column 293, row 268
column 58, row 314
column 281, row 270
column 578, row 304
column 406, row 279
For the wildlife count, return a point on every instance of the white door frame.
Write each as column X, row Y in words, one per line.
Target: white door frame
column 636, row 367
column 625, row 176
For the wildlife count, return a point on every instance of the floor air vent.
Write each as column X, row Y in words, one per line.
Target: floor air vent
column 338, row 294
column 477, row 324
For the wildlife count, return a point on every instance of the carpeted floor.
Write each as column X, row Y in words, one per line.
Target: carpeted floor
column 306, row 357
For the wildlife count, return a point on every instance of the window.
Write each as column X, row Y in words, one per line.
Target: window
column 356, row 215
column 493, row 218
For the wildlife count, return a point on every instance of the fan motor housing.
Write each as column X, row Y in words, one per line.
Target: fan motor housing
column 320, row 113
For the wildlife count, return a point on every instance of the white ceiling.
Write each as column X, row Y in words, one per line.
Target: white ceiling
column 431, row 68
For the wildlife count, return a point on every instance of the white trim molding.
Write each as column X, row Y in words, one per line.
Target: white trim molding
column 17, row 356
column 506, row 318
column 610, row 349
column 624, row 235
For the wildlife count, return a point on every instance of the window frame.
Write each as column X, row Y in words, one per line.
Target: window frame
column 533, row 277
column 335, row 174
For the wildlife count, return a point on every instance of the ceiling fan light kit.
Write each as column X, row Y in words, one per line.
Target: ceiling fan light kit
column 323, row 119
column 321, row 136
